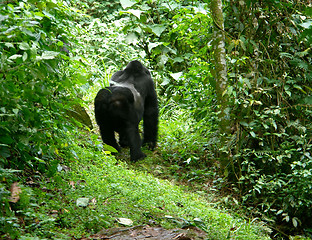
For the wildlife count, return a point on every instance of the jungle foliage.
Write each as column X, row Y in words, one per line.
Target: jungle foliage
column 269, row 90
column 55, row 53
column 38, row 79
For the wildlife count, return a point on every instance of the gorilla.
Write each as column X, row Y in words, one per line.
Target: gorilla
column 120, row 107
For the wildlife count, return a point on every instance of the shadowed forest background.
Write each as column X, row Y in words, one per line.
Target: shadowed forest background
column 235, row 132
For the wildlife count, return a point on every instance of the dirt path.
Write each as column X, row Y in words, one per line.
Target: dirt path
column 150, row 233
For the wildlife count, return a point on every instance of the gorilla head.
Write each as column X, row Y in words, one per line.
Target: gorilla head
column 120, row 107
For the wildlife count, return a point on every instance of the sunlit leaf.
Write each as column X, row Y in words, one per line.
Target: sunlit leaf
column 15, row 56
column 136, row 13
column 158, row 29
column 300, row 88
column 110, row 148
column 25, row 55
column 82, row 202
column 176, row 76
column 153, row 45
column 10, row 45
column 24, row 46
column 3, row 17
column 170, row 6
column 306, row 24
column 125, row 221
column 131, row 38
column 127, row 3
column 47, row 55
column 162, row 60
column 295, row 222
column 165, row 82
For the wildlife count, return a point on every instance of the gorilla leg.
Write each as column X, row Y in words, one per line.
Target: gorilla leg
column 134, row 139
column 150, row 126
column 123, row 139
column 108, row 137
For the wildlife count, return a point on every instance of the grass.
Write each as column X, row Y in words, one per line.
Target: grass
column 116, row 191
column 146, row 192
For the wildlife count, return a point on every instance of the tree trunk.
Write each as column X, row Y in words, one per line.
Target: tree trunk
column 221, row 81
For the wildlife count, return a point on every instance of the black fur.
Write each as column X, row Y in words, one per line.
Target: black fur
column 120, row 107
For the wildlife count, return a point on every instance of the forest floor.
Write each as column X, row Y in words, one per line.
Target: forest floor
column 170, row 194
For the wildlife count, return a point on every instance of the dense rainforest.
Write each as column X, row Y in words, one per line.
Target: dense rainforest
column 234, row 152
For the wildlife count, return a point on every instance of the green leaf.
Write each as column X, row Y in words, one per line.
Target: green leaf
column 15, row 111
column 308, row 100
column 24, row 46
column 110, row 148
column 153, row 45
column 162, row 60
column 13, row 57
column 274, row 124
column 287, row 218
column 132, row 38
column 306, row 24
column 295, row 222
column 158, row 29
column 170, row 6
column 300, row 88
column 47, row 55
column 127, row 3
column 60, row 44
column 288, row 93
column 82, row 202
column 25, row 55
column 9, row 45
column 279, row 212
column 178, row 59
column 285, row 54
column 176, row 76
column 242, row 44
column 10, row 6
column 5, row 151
column 3, row 17
column 165, row 82
column 136, row 13
column 39, row 15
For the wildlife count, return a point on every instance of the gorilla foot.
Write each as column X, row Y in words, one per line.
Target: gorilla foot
column 137, row 157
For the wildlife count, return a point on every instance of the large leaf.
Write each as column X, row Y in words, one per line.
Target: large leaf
column 153, row 45
column 132, row 38
column 15, row 56
column 158, row 29
column 127, row 3
column 306, row 24
column 176, row 76
column 47, row 55
column 136, row 13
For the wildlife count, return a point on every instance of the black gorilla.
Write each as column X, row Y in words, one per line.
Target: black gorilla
column 120, row 107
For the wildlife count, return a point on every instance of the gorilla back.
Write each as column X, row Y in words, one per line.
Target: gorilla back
column 120, row 107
